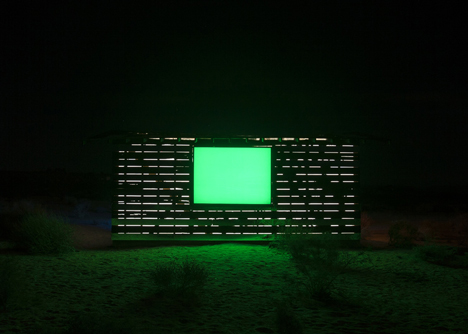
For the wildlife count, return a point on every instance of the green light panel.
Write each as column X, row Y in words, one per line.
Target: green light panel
column 232, row 175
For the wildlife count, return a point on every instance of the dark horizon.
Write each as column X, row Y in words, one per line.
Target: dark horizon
column 397, row 72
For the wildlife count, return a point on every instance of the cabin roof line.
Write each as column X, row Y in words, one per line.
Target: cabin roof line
column 114, row 135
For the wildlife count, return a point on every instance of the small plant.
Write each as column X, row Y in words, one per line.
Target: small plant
column 402, row 235
column 300, row 243
column 12, row 215
column 319, row 259
column 184, row 281
column 42, row 233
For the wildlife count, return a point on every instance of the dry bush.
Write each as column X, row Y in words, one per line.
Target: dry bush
column 183, row 283
column 320, row 260
column 13, row 214
column 43, row 233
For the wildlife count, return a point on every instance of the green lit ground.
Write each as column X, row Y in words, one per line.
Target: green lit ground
column 400, row 295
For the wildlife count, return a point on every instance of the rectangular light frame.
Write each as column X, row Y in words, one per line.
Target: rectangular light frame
column 232, row 176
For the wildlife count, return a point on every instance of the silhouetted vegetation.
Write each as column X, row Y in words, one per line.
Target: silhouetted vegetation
column 34, row 230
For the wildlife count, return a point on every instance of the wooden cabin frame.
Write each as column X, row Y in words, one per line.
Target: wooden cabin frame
column 315, row 185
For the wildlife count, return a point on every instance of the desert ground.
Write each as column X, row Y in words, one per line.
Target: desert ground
column 394, row 292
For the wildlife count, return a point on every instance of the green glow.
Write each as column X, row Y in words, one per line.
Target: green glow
column 232, row 175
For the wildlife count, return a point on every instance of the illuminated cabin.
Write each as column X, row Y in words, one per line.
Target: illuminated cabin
column 198, row 189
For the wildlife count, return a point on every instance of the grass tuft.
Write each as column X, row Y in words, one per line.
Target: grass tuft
column 12, row 215
column 183, row 283
column 320, row 260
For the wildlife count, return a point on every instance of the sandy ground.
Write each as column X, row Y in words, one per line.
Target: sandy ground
column 399, row 295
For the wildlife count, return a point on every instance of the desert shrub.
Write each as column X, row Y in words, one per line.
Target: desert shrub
column 12, row 282
column 319, row 259
column 301, row 245
column 12, row 215
column 321, row 250
column 402, row 235
column 185, row 281
column 43, row 233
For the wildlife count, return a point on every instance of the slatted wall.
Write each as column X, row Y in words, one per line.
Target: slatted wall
column 315, row 183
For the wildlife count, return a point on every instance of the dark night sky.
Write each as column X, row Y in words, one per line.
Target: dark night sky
column 71, row 70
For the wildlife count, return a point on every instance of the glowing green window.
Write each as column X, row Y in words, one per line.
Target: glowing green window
column 232, row 175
